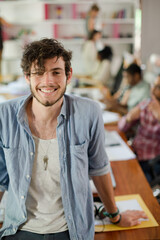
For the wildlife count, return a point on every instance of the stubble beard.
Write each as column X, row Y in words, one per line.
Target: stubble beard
column 47, row 103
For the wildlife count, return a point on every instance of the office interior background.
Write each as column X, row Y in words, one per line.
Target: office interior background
column 130, row 27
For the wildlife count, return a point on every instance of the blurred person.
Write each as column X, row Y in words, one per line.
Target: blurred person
column 3, row 23
column 92, row 21
column 133, row 91
column 146, row 143
column 152, row 69
column 89, row 52
column 103, row 72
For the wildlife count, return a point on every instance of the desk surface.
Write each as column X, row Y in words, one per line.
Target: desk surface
column 131, row 180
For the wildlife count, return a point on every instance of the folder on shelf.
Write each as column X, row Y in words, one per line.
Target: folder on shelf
column 127, row 202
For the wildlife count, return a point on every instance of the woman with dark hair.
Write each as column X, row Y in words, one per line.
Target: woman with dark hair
column 103, row 72
column 3, row 23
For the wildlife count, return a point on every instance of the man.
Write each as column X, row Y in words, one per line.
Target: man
column 132, row 93
column 54, row 143
column 147, row 115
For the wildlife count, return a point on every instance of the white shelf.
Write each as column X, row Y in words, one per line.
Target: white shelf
column 119, row 40
column 106, row 41
column 119, row 21
column 84, row 2
column 67, row 21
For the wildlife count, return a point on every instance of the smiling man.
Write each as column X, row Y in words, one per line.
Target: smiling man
column 49, row 146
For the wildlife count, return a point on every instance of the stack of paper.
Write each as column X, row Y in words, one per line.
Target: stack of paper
column 109, row 117
column 116, row 148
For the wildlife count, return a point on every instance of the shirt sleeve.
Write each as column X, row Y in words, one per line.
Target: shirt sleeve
column 98, row 160
column 4, row 179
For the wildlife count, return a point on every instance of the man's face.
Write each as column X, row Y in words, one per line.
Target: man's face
column 132, row 79
column 48, row 87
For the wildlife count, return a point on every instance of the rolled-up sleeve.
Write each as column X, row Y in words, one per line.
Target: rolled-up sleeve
column 98, row 160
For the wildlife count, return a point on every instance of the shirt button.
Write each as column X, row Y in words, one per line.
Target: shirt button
column 22, row 197
column 14, row 229
column 31, row 153
column 23, row 216
column 28, row 176
column 69, row 217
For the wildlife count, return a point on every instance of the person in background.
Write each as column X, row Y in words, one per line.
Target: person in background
column 53, row 144
column 132, row 93
column 146, row 143
column 91, row 20
column 89, row 52
column 3, row 23
column 103, row 72
column 152, row 68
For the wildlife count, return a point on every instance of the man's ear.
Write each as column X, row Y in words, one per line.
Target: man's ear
column 69, row 77
column 27, row 78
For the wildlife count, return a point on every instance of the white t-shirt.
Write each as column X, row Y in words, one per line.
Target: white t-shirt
column 44, row 202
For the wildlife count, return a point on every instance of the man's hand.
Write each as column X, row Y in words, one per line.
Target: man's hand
column 131, row 218
column 134, row 114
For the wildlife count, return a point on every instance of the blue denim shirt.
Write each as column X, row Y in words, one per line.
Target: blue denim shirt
column 80, row 134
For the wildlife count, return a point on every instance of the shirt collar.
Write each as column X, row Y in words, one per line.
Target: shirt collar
column 22, row 110
column 64, row 110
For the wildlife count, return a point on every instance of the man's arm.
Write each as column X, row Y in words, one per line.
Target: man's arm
column 105, row 190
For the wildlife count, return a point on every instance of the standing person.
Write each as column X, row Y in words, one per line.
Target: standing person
column 89, row 52
column 147, row 115
column 3, row 22
column 51, row 147
column 91, row 20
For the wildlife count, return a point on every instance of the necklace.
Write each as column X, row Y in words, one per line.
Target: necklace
column 45, row 158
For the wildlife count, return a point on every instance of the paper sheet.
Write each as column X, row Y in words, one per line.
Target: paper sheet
column 116, row 148
column 127, row 202
column 109, row 117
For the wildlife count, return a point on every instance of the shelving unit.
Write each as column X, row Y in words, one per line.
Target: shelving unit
column 65, row 21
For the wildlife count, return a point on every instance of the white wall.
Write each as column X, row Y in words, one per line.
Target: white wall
column 150, row 36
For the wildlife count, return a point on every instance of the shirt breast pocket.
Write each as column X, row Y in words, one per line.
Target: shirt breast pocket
column 79, row 167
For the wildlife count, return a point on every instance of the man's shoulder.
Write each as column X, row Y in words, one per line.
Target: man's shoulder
column 13, row 103
column 144, row 84
column 141, row 87
column 81, row 102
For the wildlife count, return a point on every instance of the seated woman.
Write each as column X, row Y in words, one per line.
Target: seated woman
column 146, row 143
column 103, row 72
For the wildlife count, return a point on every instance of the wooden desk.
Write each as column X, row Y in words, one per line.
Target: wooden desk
column 131, row 180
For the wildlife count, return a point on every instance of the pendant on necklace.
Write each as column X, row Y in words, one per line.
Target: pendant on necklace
column 45, row 160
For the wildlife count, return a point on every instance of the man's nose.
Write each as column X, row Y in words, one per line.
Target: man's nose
column 47, row 78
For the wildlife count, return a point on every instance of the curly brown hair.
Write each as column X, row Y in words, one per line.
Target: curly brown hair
column 38, row 51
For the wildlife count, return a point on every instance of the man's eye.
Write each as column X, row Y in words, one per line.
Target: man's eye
column 56, row 73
